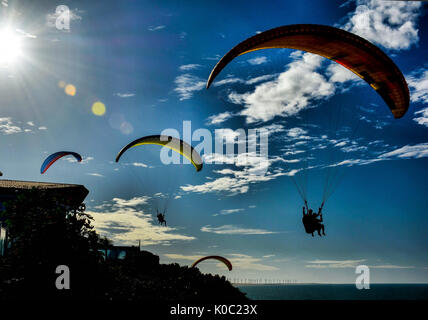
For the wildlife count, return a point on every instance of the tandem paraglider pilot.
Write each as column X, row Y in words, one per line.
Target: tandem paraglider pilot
column 311, row 222
column 161, row 217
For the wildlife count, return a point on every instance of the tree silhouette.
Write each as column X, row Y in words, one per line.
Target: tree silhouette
column 45, row 233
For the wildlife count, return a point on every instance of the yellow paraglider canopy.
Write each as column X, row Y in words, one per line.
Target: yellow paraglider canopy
column 172, row 143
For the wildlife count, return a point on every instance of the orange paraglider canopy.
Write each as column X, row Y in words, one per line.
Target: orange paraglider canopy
column 351, row 51
column 224, row 260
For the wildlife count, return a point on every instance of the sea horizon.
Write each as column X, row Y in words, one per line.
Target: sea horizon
column 324, row 283
column 306, row 291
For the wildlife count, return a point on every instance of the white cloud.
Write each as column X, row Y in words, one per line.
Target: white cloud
column 253, row 169
column 125, row 223
column 187, row 67
column 231, row 184
column 340, row 74
column 160, row 195
column 336, row 264
column 288, row 94
column 72, row 159
column 418, row 84
column 408, row 152
column 341, row 144
column 133, row 202
column 391, row 24
column 187, row 84
column 8, row 127
column 231, row 79
column 228, row 80
column 219, row 118
column 391, row 266
column 351, row 162
column 178, row 256
column 346, row 3
column 353, row 148
column 273, row 128
column 94, row 174
column 155, row 28
column 296, row 132
column 125, row 94
column 257, row 60
column 214, row 58
column 228, row 211
column 139, row 164
column 422, row 118
column 296, row 55
column 253, row 163
column 86, row 160
column 74, row 15
column 245, row 262
column 30, row 123
column 261, row 78
column 228, row 135
column 43, row 128
column 294, row 152
column 233, row 230
column 239, row 261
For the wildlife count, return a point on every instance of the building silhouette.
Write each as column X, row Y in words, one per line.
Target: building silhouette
column 70, row 195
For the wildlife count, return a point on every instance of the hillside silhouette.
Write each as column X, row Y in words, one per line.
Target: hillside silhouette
column 44, row 234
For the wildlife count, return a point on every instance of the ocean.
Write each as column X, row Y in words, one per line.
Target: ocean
column 335, row 292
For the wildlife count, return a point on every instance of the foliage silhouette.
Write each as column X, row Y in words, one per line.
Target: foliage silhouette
column 46, row 234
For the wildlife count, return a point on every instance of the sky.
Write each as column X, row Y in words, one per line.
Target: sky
column 127, row 69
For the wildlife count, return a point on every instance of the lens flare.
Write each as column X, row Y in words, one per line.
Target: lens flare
column 126, row 128
column 115, row 120
column 70, row 90
column 98, row 108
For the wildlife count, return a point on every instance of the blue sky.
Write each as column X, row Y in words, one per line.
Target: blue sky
column 148, row 61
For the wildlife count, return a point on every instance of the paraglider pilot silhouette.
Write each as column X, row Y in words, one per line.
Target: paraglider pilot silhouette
column 310, row 220
column 161, row 217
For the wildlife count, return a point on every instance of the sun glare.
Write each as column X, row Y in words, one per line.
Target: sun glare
column 10, row 46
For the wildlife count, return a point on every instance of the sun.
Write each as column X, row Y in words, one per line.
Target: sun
column 10, row 46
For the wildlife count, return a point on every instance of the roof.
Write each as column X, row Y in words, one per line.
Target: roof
column 71, row 193
column 35, row 184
